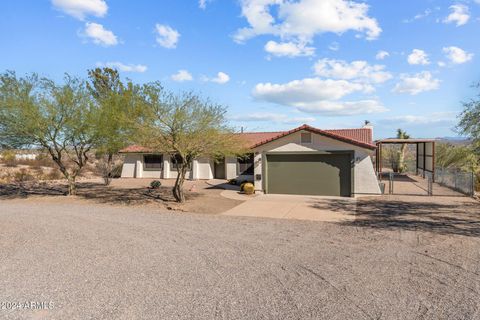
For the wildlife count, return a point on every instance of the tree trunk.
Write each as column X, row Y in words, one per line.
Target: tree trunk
column 72, row 187
column 107, row 174
column 178, row 188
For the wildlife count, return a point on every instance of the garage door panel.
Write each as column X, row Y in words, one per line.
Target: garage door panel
column 309, row 174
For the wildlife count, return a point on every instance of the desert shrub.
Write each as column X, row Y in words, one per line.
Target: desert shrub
column 243, row 183
column 42, row 160
column 117, row 170
column 6, row 177
column 22, row 176
column 248, row 188
column 9, row 158
column 108, row 167
column 54, row 174
column 155, row 184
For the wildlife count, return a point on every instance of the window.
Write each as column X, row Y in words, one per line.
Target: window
column 175, row 161
column 152, row 161
column 306, row 137
column 245, row 164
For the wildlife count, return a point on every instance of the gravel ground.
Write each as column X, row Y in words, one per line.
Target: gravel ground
column 95, row 261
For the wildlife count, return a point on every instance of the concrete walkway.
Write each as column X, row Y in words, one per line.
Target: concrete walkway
column 315, row 208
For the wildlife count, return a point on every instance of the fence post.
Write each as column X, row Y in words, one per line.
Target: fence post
column 430, row 186
column 472, row 190
column 390, row 184
column 455, row 179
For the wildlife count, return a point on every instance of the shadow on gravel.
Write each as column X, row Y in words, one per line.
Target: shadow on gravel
column 340, row 206
column 461, row 218
column 91, row 191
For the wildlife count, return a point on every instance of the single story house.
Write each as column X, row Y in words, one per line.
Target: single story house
column 304, row 160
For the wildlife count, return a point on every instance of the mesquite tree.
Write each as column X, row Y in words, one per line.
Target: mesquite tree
column 37, row 112
column 186, row 127
column 119, row 107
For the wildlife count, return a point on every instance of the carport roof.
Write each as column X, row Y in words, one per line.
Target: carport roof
column 394, row 140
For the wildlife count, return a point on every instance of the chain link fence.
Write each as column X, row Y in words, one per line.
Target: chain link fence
column 457, row 180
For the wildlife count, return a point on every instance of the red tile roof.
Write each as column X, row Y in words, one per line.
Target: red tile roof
column 254, row 138
column 361, row 134
column 135, row 149
column 361, row 137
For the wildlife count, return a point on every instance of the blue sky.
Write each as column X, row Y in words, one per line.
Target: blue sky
column 275, row 63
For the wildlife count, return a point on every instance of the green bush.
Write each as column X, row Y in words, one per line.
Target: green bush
column 155, row 184
column 22, row 175
column 9, row 158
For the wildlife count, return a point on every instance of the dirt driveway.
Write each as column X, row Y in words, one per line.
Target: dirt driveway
column 202, row 197
column 98, row 261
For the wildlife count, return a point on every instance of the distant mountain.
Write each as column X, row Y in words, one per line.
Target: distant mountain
column 454, row 140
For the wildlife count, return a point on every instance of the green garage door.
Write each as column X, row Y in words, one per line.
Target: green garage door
column 309, row 174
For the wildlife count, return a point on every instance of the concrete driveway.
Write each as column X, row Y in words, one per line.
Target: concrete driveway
column 315, row 208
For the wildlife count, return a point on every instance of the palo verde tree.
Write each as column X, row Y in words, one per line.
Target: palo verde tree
column 469, row 123
column 119, row 107
column 460, row 157
column 186, row 127
column 37, row 112
column 401, row 155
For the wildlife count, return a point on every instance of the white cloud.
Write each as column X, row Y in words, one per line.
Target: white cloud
column 166, row 36
column 419, row 16
column 81, row 8
column 436, row 118
column 317, row 95
column 459, row 14
column 417, row 83
column 343, row 108
column 418, row 57
column 334, row 46
column 457, row 55
column 271, row 117
column 140, row 68
column 288, row 49
column 382, row 54
column 306, row 90
column 181, row 76
column 359, row 70
column 302, row 20
column 99, row 35
column 221, row 78
column 202, row 4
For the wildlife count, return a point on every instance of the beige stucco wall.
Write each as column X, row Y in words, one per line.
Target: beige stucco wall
column 231, row 168
column 365, row 181
column 203, row 168
column 129, row 165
